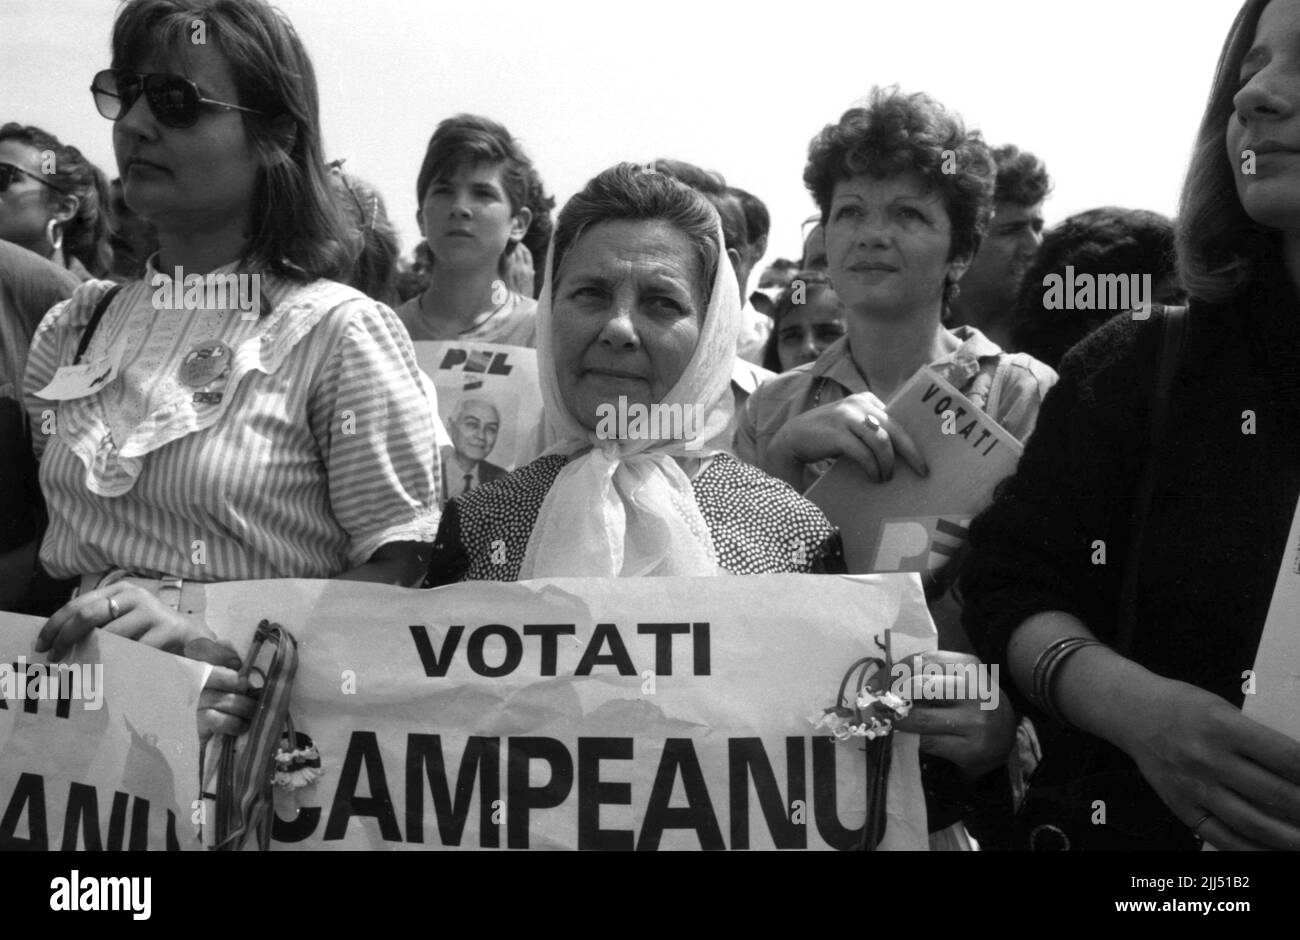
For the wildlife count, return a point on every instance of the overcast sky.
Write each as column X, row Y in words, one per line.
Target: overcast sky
column 1108, row 92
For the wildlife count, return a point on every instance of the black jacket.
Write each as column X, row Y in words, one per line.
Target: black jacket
column 1226, row 490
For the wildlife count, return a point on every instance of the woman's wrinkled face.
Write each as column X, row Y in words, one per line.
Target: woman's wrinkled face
column 27, row 206
column 627, row 308
column 887, row 243
column 191, row 177
column 1263, row 133
column 808, row 329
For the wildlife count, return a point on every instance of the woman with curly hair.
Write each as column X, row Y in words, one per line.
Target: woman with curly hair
column 905, row 195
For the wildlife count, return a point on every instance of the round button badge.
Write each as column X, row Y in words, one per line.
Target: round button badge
column 205, row 363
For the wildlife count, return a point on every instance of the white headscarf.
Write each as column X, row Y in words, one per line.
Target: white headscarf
column 625, row 508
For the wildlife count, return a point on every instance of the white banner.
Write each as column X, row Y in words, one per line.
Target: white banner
column 100, row 752
column 656, row 713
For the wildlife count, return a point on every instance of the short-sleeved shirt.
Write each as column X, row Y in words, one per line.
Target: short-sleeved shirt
column 1008, row 387
column 514, row 323
column 312, row 450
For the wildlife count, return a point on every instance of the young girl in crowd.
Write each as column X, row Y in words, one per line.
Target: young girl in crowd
column 474, row 191
column 808, row 318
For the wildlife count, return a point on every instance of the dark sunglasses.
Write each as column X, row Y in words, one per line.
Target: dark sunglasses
column 9, row 175
column 174, row 99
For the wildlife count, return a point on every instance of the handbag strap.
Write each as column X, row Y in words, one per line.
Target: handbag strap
column 1172, row 328
column 105, row 299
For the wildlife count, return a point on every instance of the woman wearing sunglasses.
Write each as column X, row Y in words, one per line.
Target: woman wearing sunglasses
column 291, row 440
column 53, row 201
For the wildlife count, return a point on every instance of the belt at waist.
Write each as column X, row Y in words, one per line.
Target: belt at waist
column 183, row 596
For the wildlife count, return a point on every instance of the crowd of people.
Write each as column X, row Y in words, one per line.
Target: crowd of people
column 148, row 447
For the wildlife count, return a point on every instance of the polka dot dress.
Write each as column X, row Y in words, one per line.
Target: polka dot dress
column 759, row 524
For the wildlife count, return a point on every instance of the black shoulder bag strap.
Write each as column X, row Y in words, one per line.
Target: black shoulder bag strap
column 93, row 325
column 1172, row 326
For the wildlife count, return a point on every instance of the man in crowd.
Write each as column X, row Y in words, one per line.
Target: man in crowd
column 758, row 324
column 987, row 295
column 758, row 224
column 744, row 246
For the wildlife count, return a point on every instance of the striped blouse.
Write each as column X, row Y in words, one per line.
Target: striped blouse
column 312, row 450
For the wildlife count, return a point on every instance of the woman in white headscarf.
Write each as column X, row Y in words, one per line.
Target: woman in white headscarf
column 639, row 317
column 636, row 341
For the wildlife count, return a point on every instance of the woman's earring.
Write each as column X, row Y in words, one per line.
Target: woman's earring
column 54, row 234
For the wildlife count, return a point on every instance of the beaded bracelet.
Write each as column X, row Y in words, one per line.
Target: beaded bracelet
column 1045, row 669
